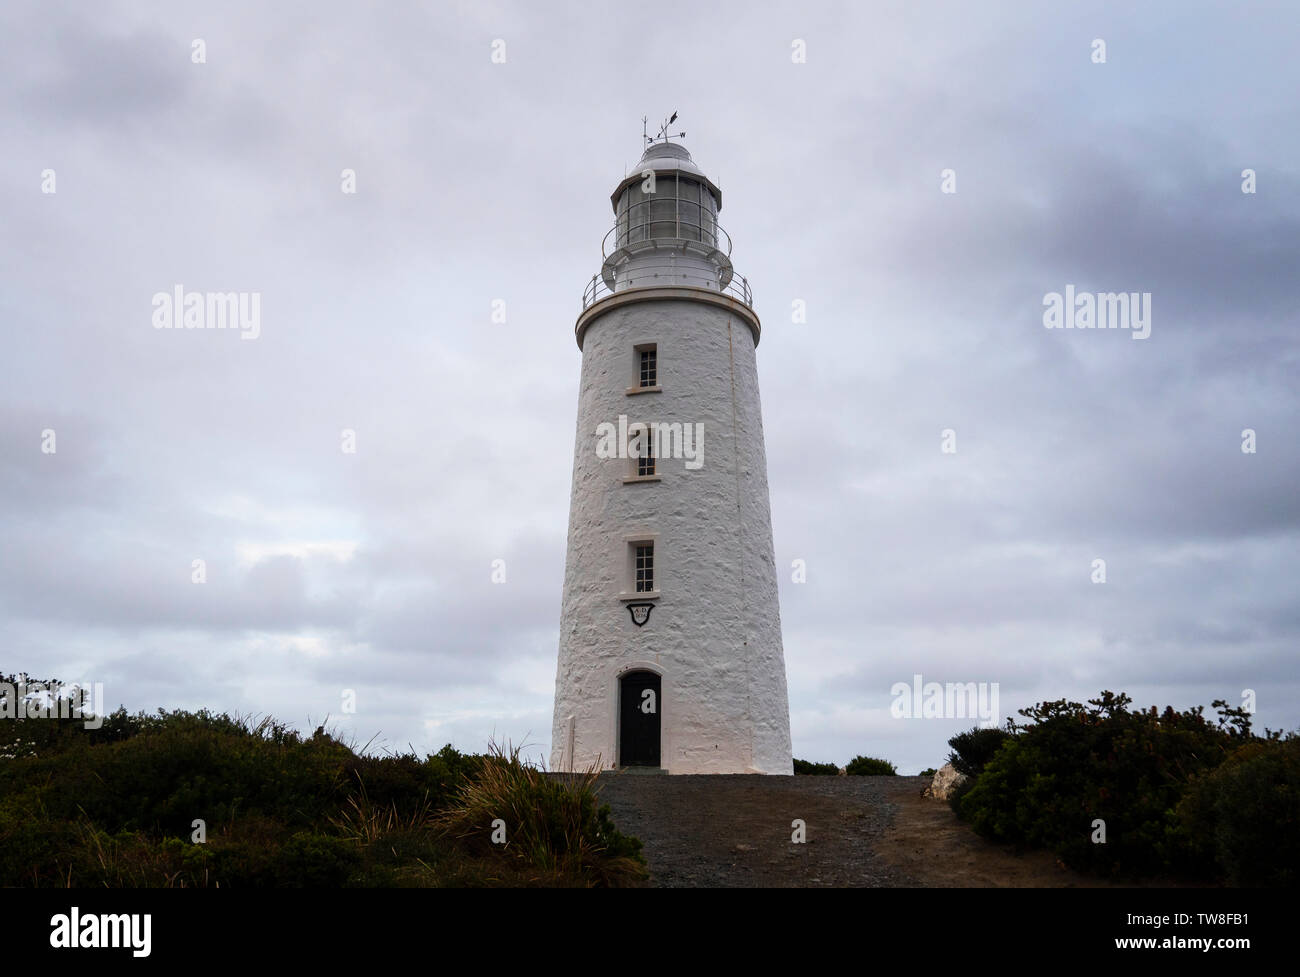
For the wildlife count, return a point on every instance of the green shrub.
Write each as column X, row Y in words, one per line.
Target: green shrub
column 407, row 784
column 865, row 766
column 1245, row 814
column 815, row 769
column 973, row 749
column 928, row 772
column 115, row 807
column 191, row 765
column 1048, row 783
column 316, row 861
column 959, row 790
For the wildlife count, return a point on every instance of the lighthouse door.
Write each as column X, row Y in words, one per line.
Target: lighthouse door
column 638, row 737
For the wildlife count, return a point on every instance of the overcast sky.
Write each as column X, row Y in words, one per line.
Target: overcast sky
column 479, row 181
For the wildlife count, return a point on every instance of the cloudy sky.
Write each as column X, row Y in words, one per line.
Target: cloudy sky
column 479, row 182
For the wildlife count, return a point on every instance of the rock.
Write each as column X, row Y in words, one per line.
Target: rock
column 946, row 779
column 841, row 772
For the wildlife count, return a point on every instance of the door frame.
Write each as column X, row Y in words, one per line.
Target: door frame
column 616, row 705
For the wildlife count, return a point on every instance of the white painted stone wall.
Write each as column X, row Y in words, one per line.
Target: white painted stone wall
column 715, row 632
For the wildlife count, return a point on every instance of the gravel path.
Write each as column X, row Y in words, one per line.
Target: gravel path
column 726, row 831
column 861, row 831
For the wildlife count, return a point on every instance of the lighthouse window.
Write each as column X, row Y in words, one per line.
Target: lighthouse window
column 645, row 461
column 645, row 568
column 688, row 210
column 634, row 215
column 649, row 367
column 663, row 208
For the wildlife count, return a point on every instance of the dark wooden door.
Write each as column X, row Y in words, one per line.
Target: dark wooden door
column 639, row 705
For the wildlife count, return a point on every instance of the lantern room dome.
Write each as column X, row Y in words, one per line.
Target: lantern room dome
column 666, row 159
column 666, row 235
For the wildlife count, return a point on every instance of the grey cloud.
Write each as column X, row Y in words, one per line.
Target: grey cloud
column 480, row 182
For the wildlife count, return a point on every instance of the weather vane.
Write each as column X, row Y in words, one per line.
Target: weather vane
column 663, row 132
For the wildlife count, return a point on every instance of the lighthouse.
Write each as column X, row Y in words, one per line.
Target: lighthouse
column 670, row 655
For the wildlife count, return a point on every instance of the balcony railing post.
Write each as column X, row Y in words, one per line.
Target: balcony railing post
column 633, row 233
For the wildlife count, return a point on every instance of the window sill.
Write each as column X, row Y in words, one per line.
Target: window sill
column 648, row 595
column 629, row 479
column 633, row 391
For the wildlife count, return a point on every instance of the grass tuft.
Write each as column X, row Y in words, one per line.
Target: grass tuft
column 552, row 823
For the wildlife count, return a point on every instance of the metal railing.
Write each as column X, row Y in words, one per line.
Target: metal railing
column 649, row 275
column 668, row 228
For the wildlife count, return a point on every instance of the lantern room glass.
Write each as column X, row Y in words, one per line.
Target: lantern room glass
column 679, row 208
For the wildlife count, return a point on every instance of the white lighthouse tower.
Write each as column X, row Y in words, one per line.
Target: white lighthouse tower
column 670, row 635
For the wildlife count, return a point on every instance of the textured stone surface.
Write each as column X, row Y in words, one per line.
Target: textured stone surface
column 946, row 779
column 716, row 832
column 715, row 632
column 720, row 832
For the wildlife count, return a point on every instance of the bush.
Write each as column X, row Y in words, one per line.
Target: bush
column 928, row 772
column 1245, row 814
column 317, row 861
column 959, row 790
column 52, row 734
column 551, row 823
column 815, row 769
column 1051, row 779
column 406, row 784
column 865, row 766
column 115, row 807
column 191, row 765
column 973, row 749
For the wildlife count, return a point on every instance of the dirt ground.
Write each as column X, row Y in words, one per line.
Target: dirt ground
column 726, row 831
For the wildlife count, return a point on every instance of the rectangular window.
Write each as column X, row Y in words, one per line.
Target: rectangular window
column 663, row 208
column 649, row 367
column 645, row 568
column 645, row 461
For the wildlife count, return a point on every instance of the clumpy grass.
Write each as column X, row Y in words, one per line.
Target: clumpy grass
column 552, row 824
column 369, row 822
